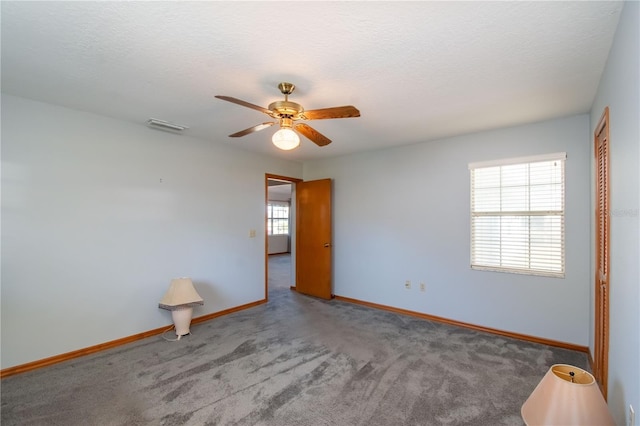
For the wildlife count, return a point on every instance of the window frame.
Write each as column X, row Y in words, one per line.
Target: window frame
column 271, row 219
column 503, row 246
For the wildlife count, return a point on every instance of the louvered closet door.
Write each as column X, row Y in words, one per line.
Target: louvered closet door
column 602, row 283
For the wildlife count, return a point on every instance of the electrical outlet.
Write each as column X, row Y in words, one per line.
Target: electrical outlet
column 407, row 284
column 252, row 233
column 632, row 416
column 423, row 287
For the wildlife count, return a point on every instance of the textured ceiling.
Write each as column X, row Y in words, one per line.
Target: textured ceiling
column 417, row 71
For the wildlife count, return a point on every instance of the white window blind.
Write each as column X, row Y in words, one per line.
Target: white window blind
column 517, row 215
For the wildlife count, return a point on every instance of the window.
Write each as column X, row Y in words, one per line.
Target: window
column 277, row 218
column 517, row 215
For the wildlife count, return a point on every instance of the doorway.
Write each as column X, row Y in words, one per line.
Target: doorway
column 280, row 230
column 310, row 234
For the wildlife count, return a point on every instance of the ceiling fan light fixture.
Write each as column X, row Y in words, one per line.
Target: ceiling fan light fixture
column 286, row 139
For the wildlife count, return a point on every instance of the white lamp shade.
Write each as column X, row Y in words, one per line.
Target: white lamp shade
column 557, row 400
column 181, row 294
column 285, row 139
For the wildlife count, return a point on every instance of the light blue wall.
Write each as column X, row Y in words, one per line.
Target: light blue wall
column 620, row 90
column 403, row 214
column 98, row 215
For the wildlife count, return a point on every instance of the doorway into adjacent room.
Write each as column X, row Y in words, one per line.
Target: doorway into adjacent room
column 280, row 234
column 299, row 223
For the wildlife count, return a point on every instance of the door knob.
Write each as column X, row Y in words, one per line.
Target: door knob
column 326, row 245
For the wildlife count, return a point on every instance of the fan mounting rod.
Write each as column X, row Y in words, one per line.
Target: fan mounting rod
column 286, row 109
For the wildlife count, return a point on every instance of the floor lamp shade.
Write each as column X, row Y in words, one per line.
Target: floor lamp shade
column 180, row 299
column 566, row 395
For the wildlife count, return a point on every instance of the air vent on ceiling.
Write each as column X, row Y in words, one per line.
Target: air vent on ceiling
column 165, row 125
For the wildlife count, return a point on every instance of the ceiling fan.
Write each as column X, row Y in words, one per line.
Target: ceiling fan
column 287, row 113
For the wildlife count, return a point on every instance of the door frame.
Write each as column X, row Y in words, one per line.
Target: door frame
column 267, row 177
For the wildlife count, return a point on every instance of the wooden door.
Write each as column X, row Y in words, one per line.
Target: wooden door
column 313, row 238
column 602, row 283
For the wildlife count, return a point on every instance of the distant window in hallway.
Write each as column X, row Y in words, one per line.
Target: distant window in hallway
column 278, row 218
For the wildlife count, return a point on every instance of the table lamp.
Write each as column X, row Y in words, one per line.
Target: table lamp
column 180, row 300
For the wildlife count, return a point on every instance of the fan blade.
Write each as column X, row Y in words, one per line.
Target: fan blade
column 252, row 129
column 335, row 112
column 312, row 134
column 244, row 103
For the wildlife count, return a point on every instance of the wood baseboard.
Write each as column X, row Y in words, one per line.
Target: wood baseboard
column 11, row 371
column 420, row 315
